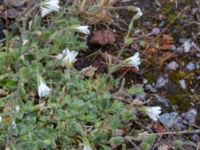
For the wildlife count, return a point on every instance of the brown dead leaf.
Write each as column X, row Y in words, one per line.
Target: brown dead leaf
column 103, row 37
column 165, row 147
column 166, row 42
column 165, row 57
column 158, row 128
column 88, row 71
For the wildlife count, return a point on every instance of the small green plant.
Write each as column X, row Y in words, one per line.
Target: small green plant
column 41, row 107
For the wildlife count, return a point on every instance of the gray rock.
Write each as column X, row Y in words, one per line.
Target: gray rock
column 156, row 31
column 187, row 46
column 150, row 88
column 195, row 137
column 168, row 119
column 191, row 116
column 195, row 46
column 179, row 50
column 182, row 84
column 161, row 82
column 163, row 101
column 173, row 48
column 198, row 78
column 198, row 55
column 182, row 40
column 190, row 66
column 172, row 65
column 141, row 96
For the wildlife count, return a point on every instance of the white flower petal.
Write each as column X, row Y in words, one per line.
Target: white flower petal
column 154, row 112
column 134, row 60
column 14, row 124
column 1, row 118
column 59, row 56
column 87, row 147
column 83, row 29
column 69, row 57
column 50, row 6
column 17, row 108
column 43, row 89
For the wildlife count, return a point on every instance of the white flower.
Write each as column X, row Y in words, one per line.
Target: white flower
column 14, row 124
column 138, row 14
column 17, row 108
column 68, row 57
column 153, row 112
column 43, row 89
column 87, row 147
column 134, row 60
column 82, row 29
column 49, row 6
column 1, row 119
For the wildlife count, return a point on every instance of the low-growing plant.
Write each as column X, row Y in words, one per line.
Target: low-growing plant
column 75, row 112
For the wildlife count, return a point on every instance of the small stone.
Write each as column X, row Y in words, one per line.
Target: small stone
column 198, row 55
column 156, row 31
column 182, row 84
column 198, row 78
column 179, row 50
column 173, row 48
column 182, row 40
column 195, row 137
column 191, row 116
column 168, row 119
column 145, row 81
column 162, row 100
column 141, row 96
column 190, row 66
column 187, row 46
column 195, row 46
column 161, row 82
column 150, row 88
column 172, row 65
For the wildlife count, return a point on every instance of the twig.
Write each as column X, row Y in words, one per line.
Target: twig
column 135, row 146
column 181, row 132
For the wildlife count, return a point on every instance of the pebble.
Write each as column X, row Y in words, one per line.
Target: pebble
column 161, row 82
column 198, row 55
column 187, row 46
column 168, row 119
column 190, row 66
column 182, row 84
column 198, row 78
column 179, row 50
column 195, row 138
column 163, row 101
column 182, row 40
column 191, row 116
column 150, row 88
column 195, row 46
column 172, row 65
column 141, row 96
column 156, row 31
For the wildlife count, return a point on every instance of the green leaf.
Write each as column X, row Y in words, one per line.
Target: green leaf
column 135, row 90
column 148, row 142
column 116, row 140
